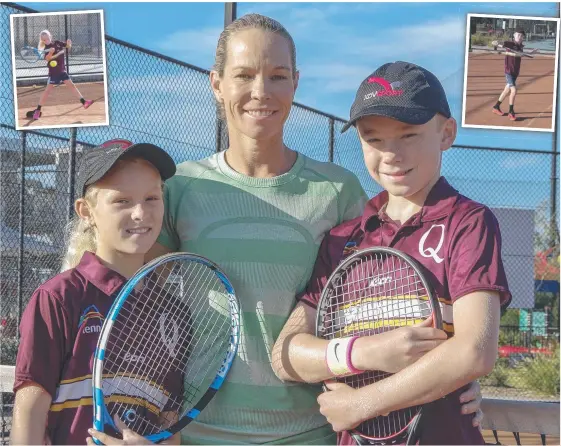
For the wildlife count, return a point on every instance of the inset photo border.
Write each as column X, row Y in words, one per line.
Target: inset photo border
column 59, row 69
column 501, row 70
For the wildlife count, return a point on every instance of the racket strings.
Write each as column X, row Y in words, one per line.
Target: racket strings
column 373, row 295
column 176, row 309
column 198, row 313
column 178, row 401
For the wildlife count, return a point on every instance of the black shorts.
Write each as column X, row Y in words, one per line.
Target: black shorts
column 58, row 79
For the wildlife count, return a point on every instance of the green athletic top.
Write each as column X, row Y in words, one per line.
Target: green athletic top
column 265, row 234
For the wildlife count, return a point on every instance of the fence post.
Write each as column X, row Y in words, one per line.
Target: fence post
column 331, row 139
column 25, row 36
column 67, row 61
column 553, row 188
column 218, row 131
column 21, row 228
column 71, row 172
column 230, row 12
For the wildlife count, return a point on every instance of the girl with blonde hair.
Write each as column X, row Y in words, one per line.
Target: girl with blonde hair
column 119, row 214
column 57, row 70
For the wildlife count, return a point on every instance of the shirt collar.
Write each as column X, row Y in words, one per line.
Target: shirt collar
column 105, row 279
column 439, row 203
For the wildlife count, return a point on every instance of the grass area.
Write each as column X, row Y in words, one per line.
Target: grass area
column 483, row 39
column 538, row 375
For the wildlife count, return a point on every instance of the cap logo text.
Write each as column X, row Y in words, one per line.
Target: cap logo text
column 389, row 89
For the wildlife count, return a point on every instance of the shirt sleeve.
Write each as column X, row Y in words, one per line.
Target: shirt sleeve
column 475, row 257
column 44, row 329
column 510, row 45
column 168, row 235
column 352, row 199
column 322, row 270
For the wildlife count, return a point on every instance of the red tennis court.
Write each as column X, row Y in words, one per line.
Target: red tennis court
column 534, row 99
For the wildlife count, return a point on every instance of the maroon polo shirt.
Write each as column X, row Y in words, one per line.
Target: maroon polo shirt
column 59, row 329
column 59, row 67
column 457, row 240
column 512, row 64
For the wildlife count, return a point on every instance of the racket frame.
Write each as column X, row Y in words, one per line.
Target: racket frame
column 327, row 294
column 39, row 53
column 101, row 415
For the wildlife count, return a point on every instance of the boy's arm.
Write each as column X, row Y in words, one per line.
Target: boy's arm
column 31, row 408
column 508, row 46
column 471, row 353
column 298, row 355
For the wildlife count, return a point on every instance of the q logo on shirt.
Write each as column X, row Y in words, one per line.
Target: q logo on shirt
column 428, row 251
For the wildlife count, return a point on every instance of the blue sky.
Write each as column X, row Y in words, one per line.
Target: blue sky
column 338, row 44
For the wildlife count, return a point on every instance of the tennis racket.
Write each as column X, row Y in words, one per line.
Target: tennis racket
column 371, row 292
column 495, row 44
column 32, row 54
column 165, row 347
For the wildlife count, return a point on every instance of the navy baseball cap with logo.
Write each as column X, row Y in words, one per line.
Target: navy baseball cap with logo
column 96, row 162
column 402, row 91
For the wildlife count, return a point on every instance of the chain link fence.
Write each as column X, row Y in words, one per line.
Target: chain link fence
column 169, row 103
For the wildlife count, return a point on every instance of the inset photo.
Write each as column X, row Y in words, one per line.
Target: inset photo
column 59, row 70
column 510, row 72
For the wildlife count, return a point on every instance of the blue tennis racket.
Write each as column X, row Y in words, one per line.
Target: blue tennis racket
column 165, row 347
column 32, row 54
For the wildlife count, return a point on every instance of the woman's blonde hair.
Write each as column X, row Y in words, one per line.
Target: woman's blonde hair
column 41, row 44
column 81, row 235
column 250, row 21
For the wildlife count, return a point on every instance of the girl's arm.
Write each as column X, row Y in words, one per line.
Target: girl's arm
column 49, row 55
column 30, row 415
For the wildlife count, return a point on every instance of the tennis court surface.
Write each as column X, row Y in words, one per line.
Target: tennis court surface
column 486, row 80
column 62, row 108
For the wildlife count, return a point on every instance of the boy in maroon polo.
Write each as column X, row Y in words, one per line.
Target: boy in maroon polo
column 512, row 70
column 120, row 212
column 404, row 123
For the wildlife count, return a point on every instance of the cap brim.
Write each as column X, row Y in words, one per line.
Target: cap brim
column 155, row 155
column 151, row 153
column 407, row 115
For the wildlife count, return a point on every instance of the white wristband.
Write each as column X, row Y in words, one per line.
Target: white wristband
column 338, row 356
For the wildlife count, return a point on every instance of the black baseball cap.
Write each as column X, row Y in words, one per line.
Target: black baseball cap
column 98, row 161
column 402, row 91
